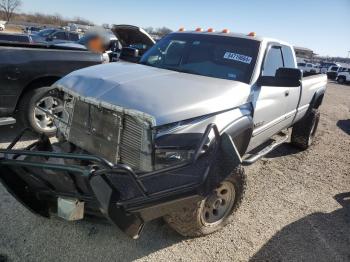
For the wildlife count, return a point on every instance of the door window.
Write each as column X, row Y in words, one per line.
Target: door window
column 73, row 37
column 60, row 36
column 273, row 61
column 334, row 68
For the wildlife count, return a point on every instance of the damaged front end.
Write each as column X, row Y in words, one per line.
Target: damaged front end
column 107, row 162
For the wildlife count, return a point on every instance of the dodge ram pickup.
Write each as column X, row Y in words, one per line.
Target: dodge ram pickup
column 169, row 136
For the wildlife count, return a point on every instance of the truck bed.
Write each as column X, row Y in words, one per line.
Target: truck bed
column 39, row 46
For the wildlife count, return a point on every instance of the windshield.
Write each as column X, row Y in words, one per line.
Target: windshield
column 208, row 55
column 45, row 32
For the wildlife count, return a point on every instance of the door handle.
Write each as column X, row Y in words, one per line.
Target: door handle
column 286, row 93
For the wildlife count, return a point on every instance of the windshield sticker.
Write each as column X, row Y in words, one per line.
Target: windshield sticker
column 238, row 57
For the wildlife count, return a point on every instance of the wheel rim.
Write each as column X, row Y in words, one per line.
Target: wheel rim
column 51, row 104
column 219, row 204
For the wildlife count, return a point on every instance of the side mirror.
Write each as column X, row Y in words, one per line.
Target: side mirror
column 130, row 54
column 287, row 77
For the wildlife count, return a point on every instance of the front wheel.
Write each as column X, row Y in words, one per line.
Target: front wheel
column 212, row 213
column 33, row 106
column 341, row 80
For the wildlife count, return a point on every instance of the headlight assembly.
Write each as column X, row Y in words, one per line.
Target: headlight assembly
column 169, row 157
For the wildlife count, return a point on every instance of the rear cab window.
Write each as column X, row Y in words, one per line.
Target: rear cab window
column 288, row 57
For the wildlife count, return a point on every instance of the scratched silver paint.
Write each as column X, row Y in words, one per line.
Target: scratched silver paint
column 166, row 95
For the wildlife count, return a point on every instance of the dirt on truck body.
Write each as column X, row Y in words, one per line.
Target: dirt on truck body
column 168, row 137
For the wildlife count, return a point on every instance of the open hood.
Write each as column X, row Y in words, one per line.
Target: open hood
column 133, row 36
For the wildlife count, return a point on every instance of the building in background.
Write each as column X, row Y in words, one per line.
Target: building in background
column 304, row 54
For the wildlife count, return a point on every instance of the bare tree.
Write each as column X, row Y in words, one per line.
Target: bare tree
column 9, row 6
column 149, row 30
column 162, row 31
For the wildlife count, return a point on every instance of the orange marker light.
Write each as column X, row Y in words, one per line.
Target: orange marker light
column 182, row 29
column 253, row 34
column 199, row 29
column 226, row 31
column 211, row 30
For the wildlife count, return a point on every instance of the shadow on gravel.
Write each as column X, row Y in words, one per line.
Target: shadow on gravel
column 317, row 237
column 109, row 242
column 8, row 133
column 344, row 125
column 87, row 241
column 285, row 149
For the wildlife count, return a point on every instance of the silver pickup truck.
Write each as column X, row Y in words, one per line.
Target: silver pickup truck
column 169, row 136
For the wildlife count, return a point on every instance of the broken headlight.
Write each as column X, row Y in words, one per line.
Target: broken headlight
column 173, row 147
column 169, row 157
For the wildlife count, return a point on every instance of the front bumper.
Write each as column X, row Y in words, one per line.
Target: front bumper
column 126, row 198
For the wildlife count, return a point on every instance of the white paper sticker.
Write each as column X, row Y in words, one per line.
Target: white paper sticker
column 237, row 57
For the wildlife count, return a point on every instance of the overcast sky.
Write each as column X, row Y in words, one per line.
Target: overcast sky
column 320, row 25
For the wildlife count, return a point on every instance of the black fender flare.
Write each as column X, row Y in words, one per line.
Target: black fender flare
column 317, row 99
column 240, row 131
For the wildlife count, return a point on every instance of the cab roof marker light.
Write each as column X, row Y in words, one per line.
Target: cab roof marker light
column 253, row 34
column 182, row 29
column 199, row 29
column 226, row 31
column 211, row 30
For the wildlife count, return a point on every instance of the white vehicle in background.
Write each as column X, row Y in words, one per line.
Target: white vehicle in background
column 317, row 69
column 344, row 76
column 2, row 27
column 308, row 68
column 334, row 71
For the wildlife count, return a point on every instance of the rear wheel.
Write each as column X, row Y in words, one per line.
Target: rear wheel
column 341, row 80
column 304, row 131
column 32, row 106
column 214, row 212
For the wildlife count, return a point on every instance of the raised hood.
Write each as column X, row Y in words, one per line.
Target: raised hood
column 166, row 95
column 130, row 35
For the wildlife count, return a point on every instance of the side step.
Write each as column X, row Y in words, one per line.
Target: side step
column 4, row 121
column 255, row 157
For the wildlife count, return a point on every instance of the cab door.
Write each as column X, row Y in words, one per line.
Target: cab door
column 270, row 102
column 294, row 92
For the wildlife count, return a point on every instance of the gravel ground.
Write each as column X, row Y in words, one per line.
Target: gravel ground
column 295, row 209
